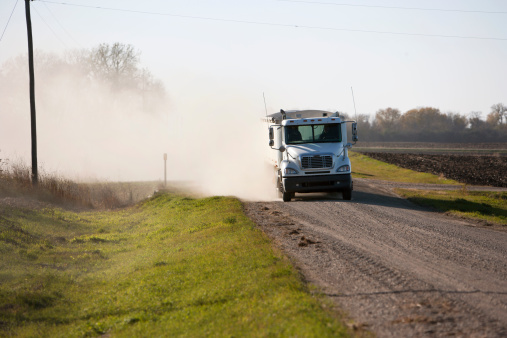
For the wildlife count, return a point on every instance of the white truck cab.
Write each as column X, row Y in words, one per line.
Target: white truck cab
column 310, row 151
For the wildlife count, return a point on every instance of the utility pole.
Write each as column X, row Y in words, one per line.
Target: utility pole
column 35, row 175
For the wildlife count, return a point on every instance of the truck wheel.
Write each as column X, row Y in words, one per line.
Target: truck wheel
column 278, row 193
column 347, row 194
column 279, row 187
column 286, row 196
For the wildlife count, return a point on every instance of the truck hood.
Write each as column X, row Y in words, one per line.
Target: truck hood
column 314, row 149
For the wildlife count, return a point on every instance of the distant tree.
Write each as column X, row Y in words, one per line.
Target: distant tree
column 498, row 115
column 430, row 124
column 457, row 122
column 363, row 122
column 343, row 116
column 475, row 121
column 117, row 63
column 426, row 119
column 116, row 66
column 387, row 119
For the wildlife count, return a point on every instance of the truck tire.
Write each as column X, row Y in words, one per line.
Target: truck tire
column 279, row 186
column 286, row 196
column 278, row 193
column 347, row 194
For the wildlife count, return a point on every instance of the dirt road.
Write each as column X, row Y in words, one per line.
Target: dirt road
column 399, row 270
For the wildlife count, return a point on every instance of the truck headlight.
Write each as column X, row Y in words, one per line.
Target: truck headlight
column 290, row 171
column 343, row 168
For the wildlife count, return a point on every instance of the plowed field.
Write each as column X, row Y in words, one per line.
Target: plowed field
column 469, row 169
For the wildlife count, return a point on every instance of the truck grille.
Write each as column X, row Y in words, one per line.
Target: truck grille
column 316, row 162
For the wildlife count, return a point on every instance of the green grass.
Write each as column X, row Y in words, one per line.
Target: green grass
column 480, row 205
column 366, row 167
column 171, row 266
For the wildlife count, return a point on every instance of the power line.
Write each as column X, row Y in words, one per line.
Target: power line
column 279, row 24
column 51, row 29
column 1, row 37
column 58, row 22
column 395, row 7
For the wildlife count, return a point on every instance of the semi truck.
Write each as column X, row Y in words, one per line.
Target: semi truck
column 310, row 152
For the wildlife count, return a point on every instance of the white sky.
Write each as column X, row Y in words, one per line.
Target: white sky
column 216, row 68
column 295, row 67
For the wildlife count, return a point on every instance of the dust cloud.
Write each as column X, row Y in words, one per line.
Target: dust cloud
column 215, row 143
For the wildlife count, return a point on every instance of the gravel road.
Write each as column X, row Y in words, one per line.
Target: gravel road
column 399, row 270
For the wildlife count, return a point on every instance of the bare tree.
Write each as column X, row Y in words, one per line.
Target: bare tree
column 457, row 122
column 475, row 120
column 363, row 122
column 117, row 63
column 498, row 114
column 152, row 90
column 115, row 68
column 386, row 119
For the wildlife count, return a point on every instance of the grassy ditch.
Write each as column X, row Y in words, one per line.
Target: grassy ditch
column 480, row 205
column 366, row 167
column 170, row 266
column 16, row 181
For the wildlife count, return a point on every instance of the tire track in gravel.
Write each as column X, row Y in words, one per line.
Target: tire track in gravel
column 397, row 268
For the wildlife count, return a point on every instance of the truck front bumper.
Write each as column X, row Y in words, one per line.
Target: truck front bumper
column 337, row 182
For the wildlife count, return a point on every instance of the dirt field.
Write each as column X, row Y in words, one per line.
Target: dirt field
column 469, row 169
column 428, row 145
column 494, row 149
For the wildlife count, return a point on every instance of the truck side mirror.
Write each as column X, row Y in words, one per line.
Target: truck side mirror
column 355, row 138
column 271, row 134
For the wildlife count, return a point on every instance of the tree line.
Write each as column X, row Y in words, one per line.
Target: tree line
column 87, row 100
column 115, row 68
column 429, row 124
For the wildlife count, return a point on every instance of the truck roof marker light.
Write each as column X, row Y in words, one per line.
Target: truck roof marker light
column 319, row 120
column 312, row 120
column 332, row 119
column 305, row 120
column 291, row 121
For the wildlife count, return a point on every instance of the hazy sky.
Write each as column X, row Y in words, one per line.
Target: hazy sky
column 219, row 49
column 217, row 58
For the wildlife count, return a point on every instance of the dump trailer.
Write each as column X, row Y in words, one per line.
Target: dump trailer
column 310, row 152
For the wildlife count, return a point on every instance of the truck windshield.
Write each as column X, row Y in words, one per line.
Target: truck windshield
column 313, row 133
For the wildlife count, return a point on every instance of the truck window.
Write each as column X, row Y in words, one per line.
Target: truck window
column 313, row 133
column 293, row 135
column 328, row 133
column 306, row 133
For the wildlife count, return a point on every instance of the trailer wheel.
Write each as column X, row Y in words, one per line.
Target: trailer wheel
column 347, row 194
